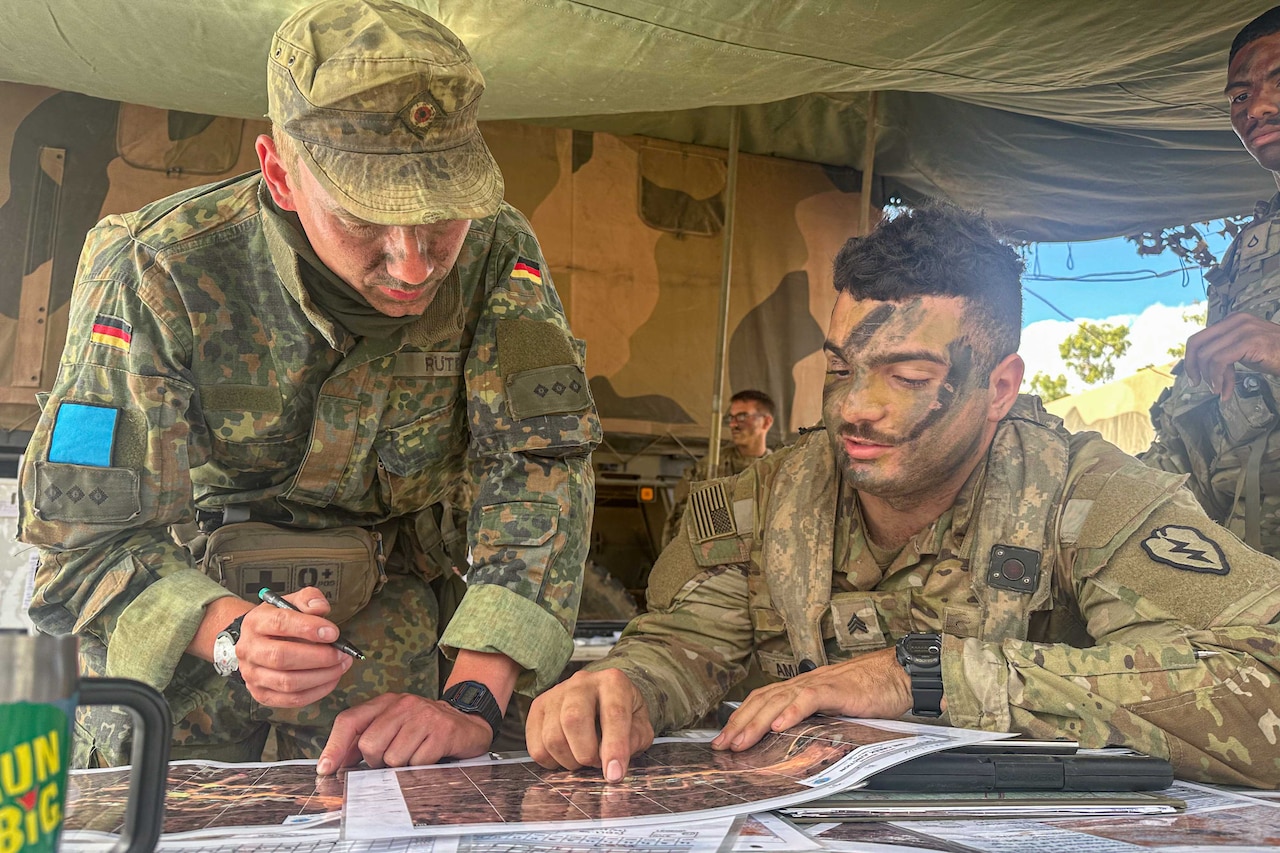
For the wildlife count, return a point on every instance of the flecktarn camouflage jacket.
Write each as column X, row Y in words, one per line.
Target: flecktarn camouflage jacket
column 199, row 373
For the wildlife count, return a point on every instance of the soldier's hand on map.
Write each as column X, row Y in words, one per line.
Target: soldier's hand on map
column 401, row 729
column 285, row 656
column 593, row 719
column 1213, row 352
column 873, row 685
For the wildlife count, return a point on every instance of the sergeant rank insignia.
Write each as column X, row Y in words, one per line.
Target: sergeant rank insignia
column 1185, row 548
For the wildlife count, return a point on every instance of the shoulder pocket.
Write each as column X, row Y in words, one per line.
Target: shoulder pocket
column 86, row 493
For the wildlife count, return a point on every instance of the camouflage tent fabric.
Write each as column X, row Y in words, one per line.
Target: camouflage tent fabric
column 1064, row 122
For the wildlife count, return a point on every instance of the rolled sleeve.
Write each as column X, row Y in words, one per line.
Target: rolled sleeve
column 496, row 619
column 975, row 682
column 154, row 630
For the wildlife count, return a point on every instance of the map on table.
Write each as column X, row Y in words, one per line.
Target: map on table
column 674, row 779
column 208, row 798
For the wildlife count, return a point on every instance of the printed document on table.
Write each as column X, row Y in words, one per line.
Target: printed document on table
column 213, row 799
column 675, row 779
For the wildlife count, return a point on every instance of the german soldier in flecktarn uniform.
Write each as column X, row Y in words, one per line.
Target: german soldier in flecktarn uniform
column 945, row 548
column 274, row 382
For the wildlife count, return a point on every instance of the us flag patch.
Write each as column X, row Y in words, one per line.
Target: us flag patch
column 112, row 332
column 527, row 270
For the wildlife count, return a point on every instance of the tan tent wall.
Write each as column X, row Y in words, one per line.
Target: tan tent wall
column 1120, row 411
column 67, row 160
column 631, row 228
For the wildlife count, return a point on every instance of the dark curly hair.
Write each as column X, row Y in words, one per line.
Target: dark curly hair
column 941, row 250
column 1265, row 24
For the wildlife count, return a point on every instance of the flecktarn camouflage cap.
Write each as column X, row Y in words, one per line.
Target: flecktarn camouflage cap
column 383, row 101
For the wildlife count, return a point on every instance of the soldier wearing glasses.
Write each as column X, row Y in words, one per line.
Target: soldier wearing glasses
column 749, row 420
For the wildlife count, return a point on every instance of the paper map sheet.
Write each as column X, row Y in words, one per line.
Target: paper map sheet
column 208, row 798
column 766, row 832
column 78, row 842
column 696, row 837
column 699, row 837
column 675, row 779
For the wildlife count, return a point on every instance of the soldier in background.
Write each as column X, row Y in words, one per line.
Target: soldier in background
column 945, row 548
column 749, row 420
column 275, row 381
column 1218, row 420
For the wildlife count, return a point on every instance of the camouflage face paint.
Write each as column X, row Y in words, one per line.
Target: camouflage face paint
column 903, row 402
column 867, row 328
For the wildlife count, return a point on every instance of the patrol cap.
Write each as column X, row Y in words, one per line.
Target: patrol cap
column 382, row 102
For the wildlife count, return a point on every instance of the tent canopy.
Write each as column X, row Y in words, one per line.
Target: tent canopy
column 1064, row 121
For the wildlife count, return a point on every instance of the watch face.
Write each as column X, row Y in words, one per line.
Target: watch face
column 224, row 654
column 470, row 694
column 923, row 650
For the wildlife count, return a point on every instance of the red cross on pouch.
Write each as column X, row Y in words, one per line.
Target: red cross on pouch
column 266, row 577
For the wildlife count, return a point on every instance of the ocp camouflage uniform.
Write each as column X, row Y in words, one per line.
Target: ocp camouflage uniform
column 1079, row 594
column 731, row 462
column 1232, row 449
column 191, row 322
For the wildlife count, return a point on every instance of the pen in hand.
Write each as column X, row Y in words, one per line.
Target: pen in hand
column 340, row 644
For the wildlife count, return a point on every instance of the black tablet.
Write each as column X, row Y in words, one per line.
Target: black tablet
column 950, row 771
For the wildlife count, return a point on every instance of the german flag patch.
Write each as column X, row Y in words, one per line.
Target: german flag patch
column 527, row 270
column 112, row 332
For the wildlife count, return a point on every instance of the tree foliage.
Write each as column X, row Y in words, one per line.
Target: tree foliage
column 1091, row 351
column 1048, row 388
column 1198, row 314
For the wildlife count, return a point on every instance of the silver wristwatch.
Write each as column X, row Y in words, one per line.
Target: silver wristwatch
column 225, row 662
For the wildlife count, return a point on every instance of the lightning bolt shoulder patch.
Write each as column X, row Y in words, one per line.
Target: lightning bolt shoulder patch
column 1185, row 548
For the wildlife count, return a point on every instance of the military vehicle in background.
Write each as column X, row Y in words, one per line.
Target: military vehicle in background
column 631, row 227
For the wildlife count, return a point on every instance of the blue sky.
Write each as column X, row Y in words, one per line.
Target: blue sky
column 1151, row 295
column 1091, row 300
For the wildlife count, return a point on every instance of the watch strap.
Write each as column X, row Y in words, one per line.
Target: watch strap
column 926, row 695
column 925, row 675
column 473, row 697
column 233, row 630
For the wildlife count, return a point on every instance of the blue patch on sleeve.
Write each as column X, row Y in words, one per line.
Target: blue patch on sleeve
column 83, row 435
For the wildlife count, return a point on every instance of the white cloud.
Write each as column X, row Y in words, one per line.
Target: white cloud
column 1151, row 334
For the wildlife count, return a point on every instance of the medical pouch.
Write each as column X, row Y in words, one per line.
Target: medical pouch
column 344, row 563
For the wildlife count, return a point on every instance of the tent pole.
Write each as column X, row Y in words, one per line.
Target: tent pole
column 726, row 265
column 868, row 167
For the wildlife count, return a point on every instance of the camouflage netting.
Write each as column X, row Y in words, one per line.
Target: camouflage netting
column 1067, row 122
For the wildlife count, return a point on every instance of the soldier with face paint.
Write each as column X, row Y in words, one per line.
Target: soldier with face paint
column 944, row 548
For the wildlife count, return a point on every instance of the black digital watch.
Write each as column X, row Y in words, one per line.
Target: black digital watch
column 472, row 697
column 921, row 656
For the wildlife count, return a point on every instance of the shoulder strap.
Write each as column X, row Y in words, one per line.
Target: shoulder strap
column 797, row 542
column 1013, row 542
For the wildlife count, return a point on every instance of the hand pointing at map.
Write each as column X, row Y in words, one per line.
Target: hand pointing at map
column 873, row 685
column 594, row 719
